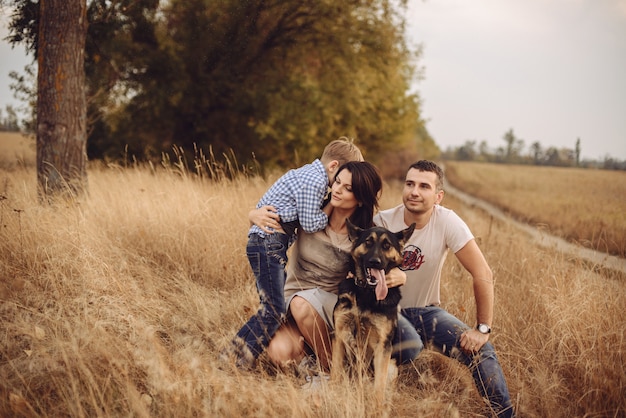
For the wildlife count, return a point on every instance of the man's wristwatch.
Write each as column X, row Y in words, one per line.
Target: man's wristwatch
column 484, row 328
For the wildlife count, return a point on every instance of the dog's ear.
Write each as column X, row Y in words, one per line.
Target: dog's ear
column 404, row 235
column 353, row 230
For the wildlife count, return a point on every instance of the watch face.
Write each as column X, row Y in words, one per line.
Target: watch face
column 484, row 328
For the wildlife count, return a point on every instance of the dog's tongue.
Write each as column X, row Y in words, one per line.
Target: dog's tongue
column 381, row 286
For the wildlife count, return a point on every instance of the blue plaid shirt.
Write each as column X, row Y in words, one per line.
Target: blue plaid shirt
column 298, row 196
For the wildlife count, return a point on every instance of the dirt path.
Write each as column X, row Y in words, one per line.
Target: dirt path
column 543, row 238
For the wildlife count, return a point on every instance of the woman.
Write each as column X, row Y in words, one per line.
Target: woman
column 318, row 264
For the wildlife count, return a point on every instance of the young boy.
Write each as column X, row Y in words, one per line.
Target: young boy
column 298, row 197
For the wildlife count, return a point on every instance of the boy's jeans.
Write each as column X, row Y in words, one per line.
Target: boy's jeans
column 268, row 258
column 443, row 330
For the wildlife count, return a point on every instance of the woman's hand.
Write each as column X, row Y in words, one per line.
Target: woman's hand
column 395, row 277
column 265, row 218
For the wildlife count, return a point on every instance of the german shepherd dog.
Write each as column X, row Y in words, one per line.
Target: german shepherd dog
column 366, row 313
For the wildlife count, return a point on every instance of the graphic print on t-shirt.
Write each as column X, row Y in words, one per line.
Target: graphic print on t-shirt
column 413, row 258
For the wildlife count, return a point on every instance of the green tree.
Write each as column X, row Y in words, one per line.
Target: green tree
column 537, row 152
column 121, row 42
column 513, row 148
column 10, row 122
column 483, row 151
column 467, row 152
column 272, row 79
column 24, row 87
column 509, row 138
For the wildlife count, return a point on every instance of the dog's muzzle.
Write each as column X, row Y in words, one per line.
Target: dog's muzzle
column 376, row 277
column 371, row 279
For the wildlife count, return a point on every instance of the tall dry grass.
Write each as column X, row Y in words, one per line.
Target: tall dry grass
column 581, row 205
column 16, row 150
column 118, row 303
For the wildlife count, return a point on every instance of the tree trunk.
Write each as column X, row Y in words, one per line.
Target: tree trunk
column 61, row 101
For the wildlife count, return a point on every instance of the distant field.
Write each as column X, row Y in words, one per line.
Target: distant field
column 581, row 205
column 16, row 149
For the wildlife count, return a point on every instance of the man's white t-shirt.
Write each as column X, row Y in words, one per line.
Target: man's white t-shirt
column 425, row 252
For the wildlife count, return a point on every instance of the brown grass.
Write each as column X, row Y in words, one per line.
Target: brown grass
column 117, row 305
column 16, row 150
column 581, row 205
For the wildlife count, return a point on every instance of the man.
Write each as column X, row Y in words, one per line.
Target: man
column 437, row 230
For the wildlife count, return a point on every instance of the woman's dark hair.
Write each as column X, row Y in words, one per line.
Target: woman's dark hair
column 366, row 186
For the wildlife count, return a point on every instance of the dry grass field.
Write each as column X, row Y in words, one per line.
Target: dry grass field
column 16, row 150
column 581, row 205
column 118, row 303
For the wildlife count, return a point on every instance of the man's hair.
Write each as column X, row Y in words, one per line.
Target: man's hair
column 425, row 165
column 343, row 150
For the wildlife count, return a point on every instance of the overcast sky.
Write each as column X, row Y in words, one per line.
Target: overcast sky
column 552, row 70
column 10, row 60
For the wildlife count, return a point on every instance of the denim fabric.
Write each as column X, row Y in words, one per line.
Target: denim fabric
column 268, row 258
column 442, row 330
column 407, row 343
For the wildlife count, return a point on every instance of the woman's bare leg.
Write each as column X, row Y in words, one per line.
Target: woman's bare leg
column 313, row 328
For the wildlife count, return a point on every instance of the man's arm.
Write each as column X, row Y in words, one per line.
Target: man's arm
column 474, row 262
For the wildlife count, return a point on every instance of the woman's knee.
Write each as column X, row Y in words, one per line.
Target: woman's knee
column 300, row 309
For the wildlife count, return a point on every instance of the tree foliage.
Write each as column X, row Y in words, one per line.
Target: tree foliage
column 266, row 78
column 513, row 153
column 9, row 122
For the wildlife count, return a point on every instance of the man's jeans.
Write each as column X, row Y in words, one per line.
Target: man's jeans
column 268, row 258
column 442, row 331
